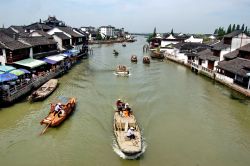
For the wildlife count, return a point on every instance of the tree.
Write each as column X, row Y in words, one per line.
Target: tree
column 216, row 31
column 98, row 36
column 154, row 33
column 233, row 29
column 238, row 27
column 172, row 31
column 221, row 32
column 242, row 27
column 229, row 29
column 245, row 31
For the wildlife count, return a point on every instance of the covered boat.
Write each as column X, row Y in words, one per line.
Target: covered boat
column 53, row 120
column 146, row 60
column 122, row 70
column 134, row 58
column 121, row 126
column 157, row 55
column 44, row 91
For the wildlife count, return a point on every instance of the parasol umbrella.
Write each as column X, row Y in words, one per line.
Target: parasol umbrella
column 6, row 68
column 17, row 72
column 7, row 77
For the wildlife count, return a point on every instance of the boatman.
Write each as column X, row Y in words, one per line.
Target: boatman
column 58, row 109
column 130, row 133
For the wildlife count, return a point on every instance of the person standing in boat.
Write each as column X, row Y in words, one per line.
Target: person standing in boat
column 130, row 133
column 58, row 109
column 119, row 104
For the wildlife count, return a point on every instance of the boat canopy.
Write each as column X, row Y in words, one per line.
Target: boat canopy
column 17, row 72
column 30, row 62
column 6, row 68
column 7, row 77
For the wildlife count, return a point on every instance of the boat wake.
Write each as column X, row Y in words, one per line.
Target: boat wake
column 123, row 75
column 124, row 156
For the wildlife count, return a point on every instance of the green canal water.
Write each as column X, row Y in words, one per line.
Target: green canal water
column 186, row 119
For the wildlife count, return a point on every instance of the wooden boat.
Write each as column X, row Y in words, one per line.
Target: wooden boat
column 44, row 91
column 124, row 45
column 134, row 58
column 157, row 55
column 122, row 70
column 68, row 105
column 115, row 52
column 129, row 147
column 146, row 60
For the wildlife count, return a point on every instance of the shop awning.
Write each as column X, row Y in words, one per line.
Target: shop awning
column 49, row 61
column 56, row 58
column 6, row 68
column 31, row 63
column 25, row 71
column 71, row 52
column 7, row 77
column 17, row 72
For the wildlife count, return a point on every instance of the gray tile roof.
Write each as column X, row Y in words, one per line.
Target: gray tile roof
column 36, row 41
column 61, row 35
column 234, row 33
column 207, row 55
column 69, row 31
column 44, row 34
column 220, row 45
column 38, row 26
column 232, row 55
column 245, row 48
column 237, row 66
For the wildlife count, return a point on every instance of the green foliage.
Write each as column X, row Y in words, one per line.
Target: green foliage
column 172, row 31
column 221, row 32
column 242, row 27
column 229, row 29
column 98, row 36
column 150, row 38
column 216, row 31
column 233, row 29
column 154, row 33
column 238, row 27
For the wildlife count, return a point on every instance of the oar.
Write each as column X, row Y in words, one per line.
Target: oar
column 45, row 129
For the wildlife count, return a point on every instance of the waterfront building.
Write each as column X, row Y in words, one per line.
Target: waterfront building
column 12, row 50
column 236, row 66
column 76, row 39
column 37, row 26
column 191, row 39
column 63, row 41
column 52, row 21
column 170, row 39
column 107, row 31
column 40, row 46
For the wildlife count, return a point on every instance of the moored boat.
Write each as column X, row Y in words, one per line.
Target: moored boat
column 122, row 70
column 115, row 52
column 157, row 55
column 54, row 119
column 124, row 44
column 146, row 60
column 44, row 91
column 134, row 58
column 121, row 126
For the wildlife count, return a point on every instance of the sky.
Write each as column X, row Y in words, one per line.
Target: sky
column 136, row 16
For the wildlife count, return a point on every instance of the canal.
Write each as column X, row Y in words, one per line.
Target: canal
column 186, row 119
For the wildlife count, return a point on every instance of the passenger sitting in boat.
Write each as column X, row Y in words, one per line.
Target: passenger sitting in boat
column 58, row 109
column 130, row 133
column 119, row 104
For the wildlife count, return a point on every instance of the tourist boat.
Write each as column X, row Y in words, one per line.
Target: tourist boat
column 121, row 124
column 157, row 55
column 146, row 60
column 134, row 58
column 115, row 52
column 124, row 44
column 122, row 70
column 68, row 105
column 44, row 91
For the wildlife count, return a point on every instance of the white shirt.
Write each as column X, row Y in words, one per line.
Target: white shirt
column 130, row 132
column 57, row 108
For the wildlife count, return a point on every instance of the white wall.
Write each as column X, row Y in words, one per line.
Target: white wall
column 59, row 42
column 239, row 41
column 3, row 58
